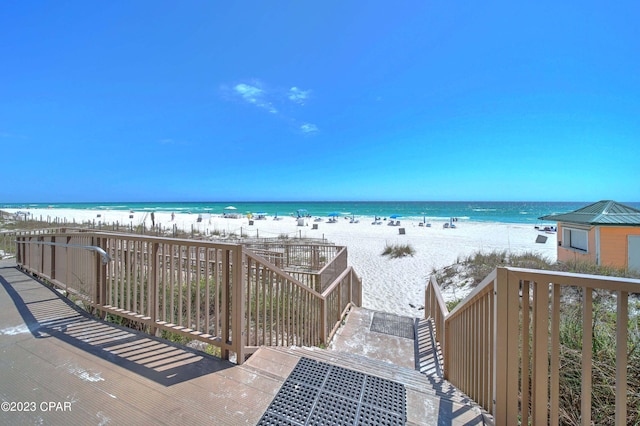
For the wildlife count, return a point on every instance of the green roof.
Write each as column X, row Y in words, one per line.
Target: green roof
column 601, row 213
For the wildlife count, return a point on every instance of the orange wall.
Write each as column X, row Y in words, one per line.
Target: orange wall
column 614, row 245
column 569, row 254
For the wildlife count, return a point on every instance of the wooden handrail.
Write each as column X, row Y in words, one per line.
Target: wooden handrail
column 501, row 344
column 218, row 293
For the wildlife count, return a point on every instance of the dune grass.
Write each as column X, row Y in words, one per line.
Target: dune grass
column 398, row 250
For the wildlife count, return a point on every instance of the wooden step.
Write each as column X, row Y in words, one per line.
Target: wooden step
column 428, row 402
column 410, row 378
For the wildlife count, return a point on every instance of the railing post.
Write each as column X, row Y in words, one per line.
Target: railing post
column 237, row 321
column 155, row 268
column 41, row 256
column 67, row 267
column 323, row 320
column 540, row 359
column 226, row 301
column 350, row 285
column 621, row 356
column 18, row 251
column 444, row 346
column 53, row 258
column 101, row 281
column 505, row 350
column 587, row 355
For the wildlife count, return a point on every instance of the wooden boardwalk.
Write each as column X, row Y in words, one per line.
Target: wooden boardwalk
column 58, row 365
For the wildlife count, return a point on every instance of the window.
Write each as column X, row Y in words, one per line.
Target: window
column 576, row 239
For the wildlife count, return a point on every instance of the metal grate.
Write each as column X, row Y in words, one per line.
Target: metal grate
column 345, row 382
column 294, row 401
column 394, row 325
column 316, row 393
column 333, row 409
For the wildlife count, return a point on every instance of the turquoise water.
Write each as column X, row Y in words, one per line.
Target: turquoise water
column 479, row 211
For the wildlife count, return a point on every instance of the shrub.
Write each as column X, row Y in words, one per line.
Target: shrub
column 400, row 250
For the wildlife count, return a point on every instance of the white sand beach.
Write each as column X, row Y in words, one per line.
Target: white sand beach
column 390, row 285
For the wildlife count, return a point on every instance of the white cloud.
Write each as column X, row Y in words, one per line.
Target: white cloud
column 297, row 95
column 257, row 94
column 309, row 128
column 254, row 95
column 248, row 92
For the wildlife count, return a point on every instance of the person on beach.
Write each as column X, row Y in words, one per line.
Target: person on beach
column 173, row 216
column 153, row 220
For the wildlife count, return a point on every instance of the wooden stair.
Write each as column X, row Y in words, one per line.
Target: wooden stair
column 378, row 345
column 429, row 400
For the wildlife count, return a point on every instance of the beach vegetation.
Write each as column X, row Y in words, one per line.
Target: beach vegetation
column 603, row 364
column 451, row 304
column 194, row 344
column 398, row 250
column 477, row 266
column 8, row 222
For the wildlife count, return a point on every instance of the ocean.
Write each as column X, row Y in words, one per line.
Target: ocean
column 477, row 211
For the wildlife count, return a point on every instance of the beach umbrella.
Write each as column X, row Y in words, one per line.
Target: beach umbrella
column 395, row 216
column 334, row 214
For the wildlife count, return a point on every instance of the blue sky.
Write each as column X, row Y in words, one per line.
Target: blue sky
column 332, row 100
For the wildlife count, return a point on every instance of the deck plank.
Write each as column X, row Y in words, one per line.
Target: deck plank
column 51, row 351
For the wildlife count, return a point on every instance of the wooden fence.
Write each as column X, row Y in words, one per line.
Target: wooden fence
column 222, row 294
column 501, row 344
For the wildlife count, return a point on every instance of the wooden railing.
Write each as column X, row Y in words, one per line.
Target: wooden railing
column 314, row 265
column 222, row 294
column 500, row 345
column 309, row 257
column 8, row 238
column 435, row 309
column 332, row 270
column 7, row 243
column 292, row 309
column 344, row 292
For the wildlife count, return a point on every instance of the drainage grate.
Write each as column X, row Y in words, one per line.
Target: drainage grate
column 345, row 382
column 316, row 393
column 309, row 371
column 384, row 393
column 334, row 410
column 294, row 401
column 394, row 325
